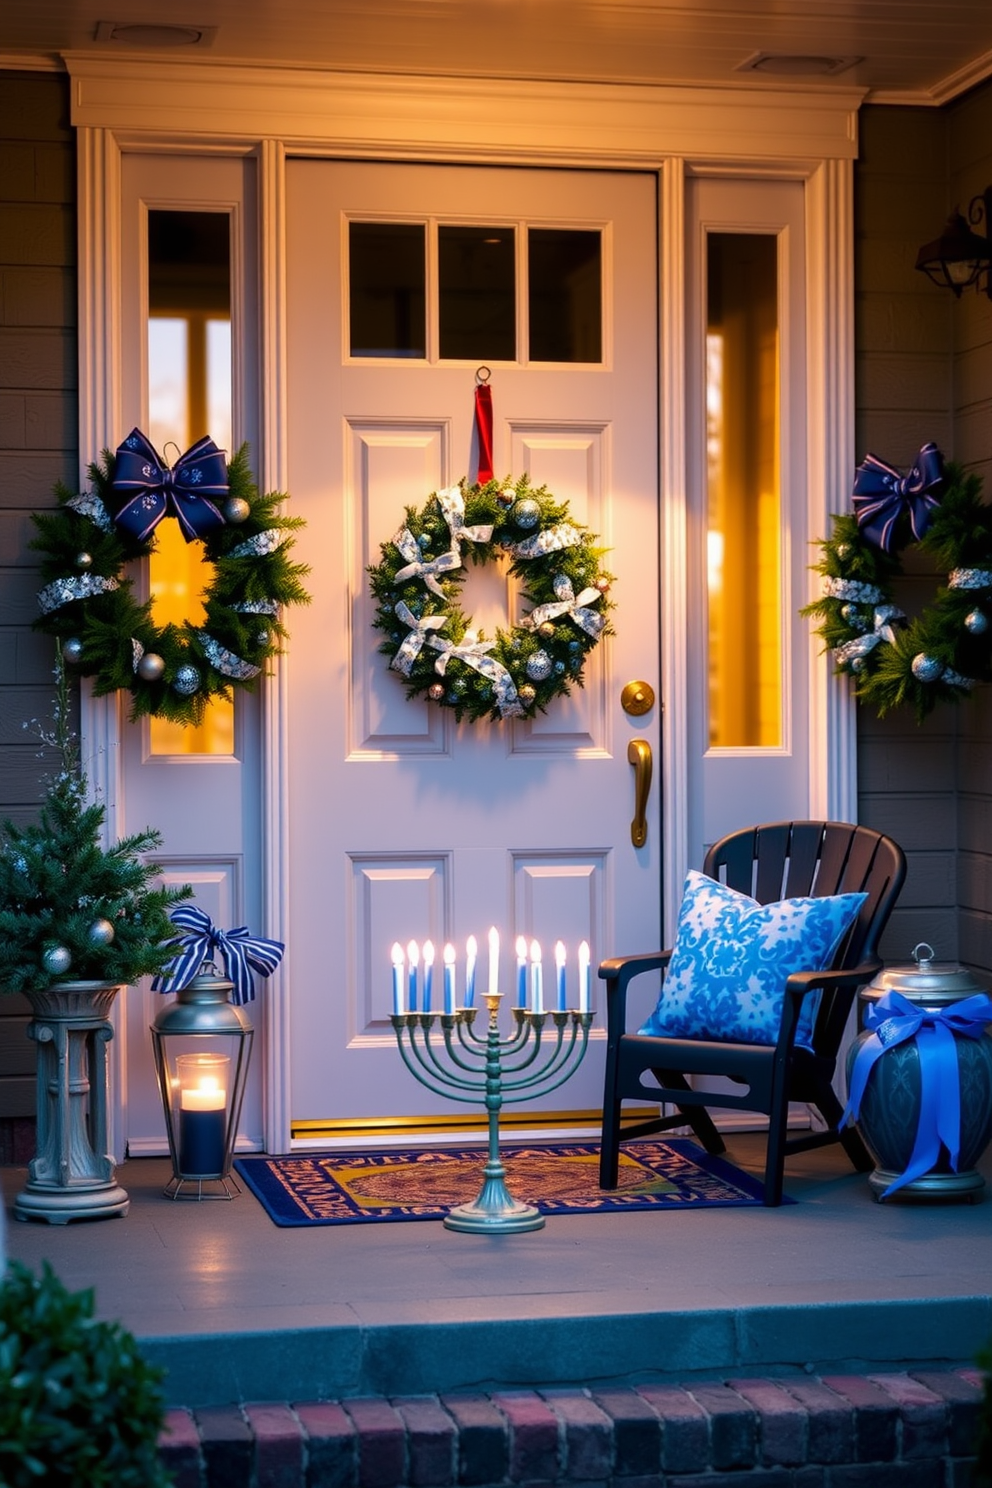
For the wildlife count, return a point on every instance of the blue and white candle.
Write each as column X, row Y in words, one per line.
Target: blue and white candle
column 449, row 978
column 413, row 959
column 584, row 987
column 521, row 971
column 562, row 994
column 493, row 962
column 398, row 970
column 536, row 979
column 471, row 959
column 428, row 973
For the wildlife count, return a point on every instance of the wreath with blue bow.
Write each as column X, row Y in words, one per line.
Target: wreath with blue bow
column 87, row 600
column 429, row 639
column 942, row 653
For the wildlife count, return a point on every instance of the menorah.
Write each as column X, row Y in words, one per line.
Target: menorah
column 446, row 1053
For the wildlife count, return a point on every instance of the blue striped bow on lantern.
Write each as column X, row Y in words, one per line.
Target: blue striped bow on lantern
column 881, row 495
column 894, row 1020
column 153, row 490
column 240, row 952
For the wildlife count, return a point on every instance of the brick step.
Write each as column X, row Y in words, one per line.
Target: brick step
column 895, row 1430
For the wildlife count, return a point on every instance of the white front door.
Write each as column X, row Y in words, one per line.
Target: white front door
column 403, row 825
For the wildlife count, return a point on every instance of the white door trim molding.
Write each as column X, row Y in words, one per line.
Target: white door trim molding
column 153, row 106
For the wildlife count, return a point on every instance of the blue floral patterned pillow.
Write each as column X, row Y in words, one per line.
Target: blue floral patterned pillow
column 732, row 957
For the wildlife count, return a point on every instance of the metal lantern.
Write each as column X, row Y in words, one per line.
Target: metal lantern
column 202, row 1046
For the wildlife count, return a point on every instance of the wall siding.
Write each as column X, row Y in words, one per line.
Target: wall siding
column 38, row 446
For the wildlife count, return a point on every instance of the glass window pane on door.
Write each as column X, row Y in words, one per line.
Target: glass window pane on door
column 743, row 491
column 387, row 280
column 477, row 293
column 565, row 295
column 189, row 395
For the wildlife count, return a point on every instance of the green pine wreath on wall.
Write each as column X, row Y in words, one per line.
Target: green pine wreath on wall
column 87, row 600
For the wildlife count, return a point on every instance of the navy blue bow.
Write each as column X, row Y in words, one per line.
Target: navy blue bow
column 240, row 952
column 881, row 495
column 153, row 490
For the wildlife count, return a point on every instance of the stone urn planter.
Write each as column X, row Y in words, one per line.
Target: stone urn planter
column 72, row 1175
column 920, row 1078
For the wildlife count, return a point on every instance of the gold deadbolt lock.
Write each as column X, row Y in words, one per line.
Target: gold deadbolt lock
column 637, row 698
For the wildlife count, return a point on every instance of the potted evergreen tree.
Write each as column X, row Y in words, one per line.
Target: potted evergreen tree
column 77, row 923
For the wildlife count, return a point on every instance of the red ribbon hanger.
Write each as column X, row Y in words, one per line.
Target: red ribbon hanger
column 484, row 424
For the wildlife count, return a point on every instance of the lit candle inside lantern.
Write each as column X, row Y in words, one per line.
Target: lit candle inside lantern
column 536, row 979
column 471, row 957
column 521, row 971
column 413, row 957
column 560, row 975
column 397, row 978
column 449, row 978
column 202, row 1114
column 493, row 961
column 428, row 973
column 584, row 990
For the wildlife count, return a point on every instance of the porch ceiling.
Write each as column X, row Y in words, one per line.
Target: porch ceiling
column 900, row 51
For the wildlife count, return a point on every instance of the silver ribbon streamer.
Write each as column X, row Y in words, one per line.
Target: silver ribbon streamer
column 851, row 590
column 419, row 632
column 568, row 604
column 551, row 540
column 969, row 578
column 61, row 591
column 452, row 503
column 137, row 652
column 883, row 630
column 257, row 607
column 473, row 653
column 225, row 661
column 955, row 679
column 419, row 567
column 261, row 544
column 89, row 505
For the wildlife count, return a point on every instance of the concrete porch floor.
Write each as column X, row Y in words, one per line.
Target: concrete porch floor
column 238, row 1309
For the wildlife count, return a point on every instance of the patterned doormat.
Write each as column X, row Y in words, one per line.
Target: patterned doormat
column 425, row 1182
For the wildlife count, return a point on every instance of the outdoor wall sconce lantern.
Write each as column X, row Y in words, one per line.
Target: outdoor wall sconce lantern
column 960, row 256
column 202, row 1045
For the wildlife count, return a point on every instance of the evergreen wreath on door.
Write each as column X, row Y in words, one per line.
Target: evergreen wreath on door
column 430, row 640
column 942, row 653
column 87, row 599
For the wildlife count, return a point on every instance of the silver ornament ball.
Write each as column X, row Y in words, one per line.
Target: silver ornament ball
column 527, row 695
column 100, row 933
column 72, row 650
column 435, row 692
column 186, row 681
column 539, row 666
column 236, row 510
column 56, row 960
column 546, row 630
column 262, row 637
column 526, row 513
column 150, row 667
column 926, row 668
column 976, row 621
column 858, row 664
column 84, row 560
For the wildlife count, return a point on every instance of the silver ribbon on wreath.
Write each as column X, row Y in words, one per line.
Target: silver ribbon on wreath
column 417, row 566
column 969, row 578
column 261, row 544
column 89, row 505
column 473, row 653
column 570, row 604
column 883, row 629
column 62, row 591
column 225, row 661
column 418, row 633
column 551, row 540
column 852, row 590
column 452, row 503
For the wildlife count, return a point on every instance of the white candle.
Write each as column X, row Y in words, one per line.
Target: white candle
column 521, row 971
column 449, row 978
column 413, row 957
column 584, row 1004
column 560, row 975
column 471, row 957
column 536, row 979
column 397, row 978
column 428, row 973
column 493, row 961
column 208, row 1095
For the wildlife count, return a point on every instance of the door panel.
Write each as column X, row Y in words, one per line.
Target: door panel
column 404, row 825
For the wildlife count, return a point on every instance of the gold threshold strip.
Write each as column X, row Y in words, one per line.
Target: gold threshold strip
column 373, row 1128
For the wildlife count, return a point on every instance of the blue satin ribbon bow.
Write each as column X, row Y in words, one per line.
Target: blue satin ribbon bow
column 152, row 490
column 881, row 495
column 894, row 1020
column 240, row 952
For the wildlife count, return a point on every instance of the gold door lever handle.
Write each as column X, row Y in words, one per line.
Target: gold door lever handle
column 639, row 755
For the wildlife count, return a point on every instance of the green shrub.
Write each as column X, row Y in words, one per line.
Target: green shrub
column 78, row 1403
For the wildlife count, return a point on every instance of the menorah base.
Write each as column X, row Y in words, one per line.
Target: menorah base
column 494, row 1210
